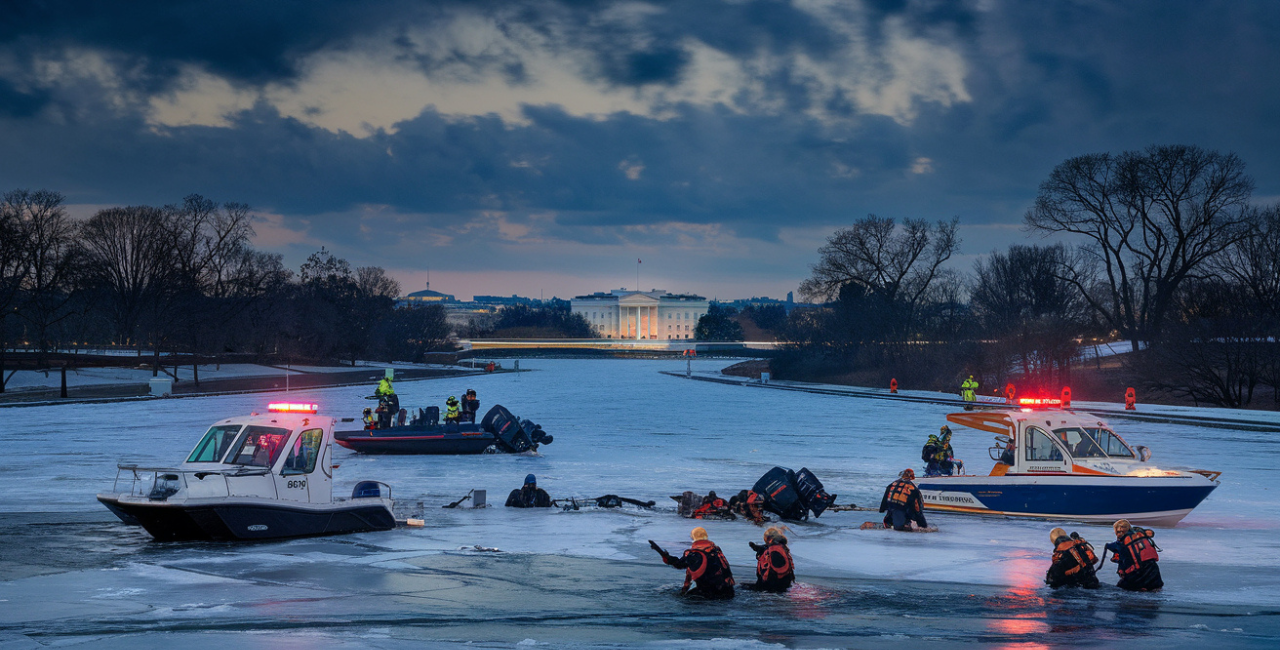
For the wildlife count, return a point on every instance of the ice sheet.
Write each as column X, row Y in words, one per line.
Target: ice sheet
column 622, row 427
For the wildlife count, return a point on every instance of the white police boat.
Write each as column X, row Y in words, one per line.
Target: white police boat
column 1053, row 463
column 252, row 477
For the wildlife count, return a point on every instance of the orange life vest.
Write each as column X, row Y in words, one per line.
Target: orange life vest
column 1140, row 547
column 1080, row 550
column 765, row 569
column 714, row 567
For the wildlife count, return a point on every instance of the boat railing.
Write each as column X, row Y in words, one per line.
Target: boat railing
column 164, row 480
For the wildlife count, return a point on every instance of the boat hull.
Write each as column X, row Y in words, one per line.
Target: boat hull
column 416, row 440
column 249, row 519
column 1151, row 501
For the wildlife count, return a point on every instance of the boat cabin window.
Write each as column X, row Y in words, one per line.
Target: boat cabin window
column 259, row 446
column 1111, row 443
column 1080, row 444
column 306, row 450
column 213, row 446
column 1041, row 446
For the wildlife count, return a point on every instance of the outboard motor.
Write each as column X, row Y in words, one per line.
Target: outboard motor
column 513, row 434
column 793, row 495
column 811, row 492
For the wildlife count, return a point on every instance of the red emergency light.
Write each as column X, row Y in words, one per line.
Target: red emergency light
column 292, row 407
column 1041, row 402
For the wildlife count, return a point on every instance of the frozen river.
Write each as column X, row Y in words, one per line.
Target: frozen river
column 71, row 574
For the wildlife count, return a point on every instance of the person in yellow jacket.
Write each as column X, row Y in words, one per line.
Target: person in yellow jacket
column 969, row 390
column 384, row 389
column 451, row 410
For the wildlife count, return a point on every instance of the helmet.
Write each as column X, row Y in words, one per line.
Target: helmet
column 530, row 480
column 698, row 534
column 1055, row 534
column 451, row 401
column 944, row 429
column 908, row 473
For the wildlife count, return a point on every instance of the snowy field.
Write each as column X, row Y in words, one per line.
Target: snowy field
column 72, row 574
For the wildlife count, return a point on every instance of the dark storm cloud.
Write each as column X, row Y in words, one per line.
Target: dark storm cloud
column 1045, row 81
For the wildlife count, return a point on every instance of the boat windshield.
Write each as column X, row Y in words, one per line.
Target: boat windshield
column 259, row 446
column 1111, row 443
column 213, row 446
column 1081, row 444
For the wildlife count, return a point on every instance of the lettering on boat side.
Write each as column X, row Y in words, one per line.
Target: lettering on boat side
column 257, row 528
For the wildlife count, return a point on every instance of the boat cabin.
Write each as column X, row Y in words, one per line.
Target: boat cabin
column 283, row 455
column 1043, row 439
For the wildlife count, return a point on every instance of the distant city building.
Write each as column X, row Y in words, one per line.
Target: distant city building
column 503, row 301
column 787, row 304
column 656, row 314
column 427, row 296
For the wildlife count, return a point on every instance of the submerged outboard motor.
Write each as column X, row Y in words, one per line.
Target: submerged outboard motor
column 792, row 495
column 513, row 434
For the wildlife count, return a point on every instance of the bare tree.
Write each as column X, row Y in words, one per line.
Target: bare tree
column 373, row 282
column 130, row 257
column 1152, row 218
column 13, row 268
column 896, row 265
column 49, row 260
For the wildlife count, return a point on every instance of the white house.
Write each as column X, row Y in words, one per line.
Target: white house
column 622, row 314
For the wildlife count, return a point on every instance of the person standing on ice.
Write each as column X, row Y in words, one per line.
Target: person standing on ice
column 705, row 567
column 1137, row 555
column 1073, row 560
column 902, row 503
column 969, row 391
column 774, row 569
column 529, row 496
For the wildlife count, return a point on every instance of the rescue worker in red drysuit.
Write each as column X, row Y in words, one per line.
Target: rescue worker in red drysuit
column 711, row 505
column 1073, row 560
column 774, row 569
column 704, row 566
column 902, row 503
column 1137, row 555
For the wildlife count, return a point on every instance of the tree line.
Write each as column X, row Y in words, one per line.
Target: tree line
column 1162, row 248
column 184, row 278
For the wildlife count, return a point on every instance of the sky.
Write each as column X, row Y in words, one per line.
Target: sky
column 543, row 147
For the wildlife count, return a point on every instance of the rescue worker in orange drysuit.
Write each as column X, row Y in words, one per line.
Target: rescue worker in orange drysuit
column 774, row 569
column 902, row 503
column 704, row 566
column 1136, row 554
column 1073, row 560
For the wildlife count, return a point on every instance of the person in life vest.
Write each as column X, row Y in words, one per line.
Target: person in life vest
column 370, row 420
column 712, row 505
column 388, row 402
column 470, row 405
column 1137, row 557
column 705, row 567
column 969, row 390
column 928, row 452
column 1073, row 560
column 775, row 570
column 748, row 504
column 902, row 503
column 945, row 457
column 451, row 413
column 529, row 496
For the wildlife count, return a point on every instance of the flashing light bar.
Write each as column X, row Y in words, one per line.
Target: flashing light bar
column 291, row 407
column 1039, row 401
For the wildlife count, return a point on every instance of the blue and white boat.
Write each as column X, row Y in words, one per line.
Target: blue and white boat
column 1061, row 464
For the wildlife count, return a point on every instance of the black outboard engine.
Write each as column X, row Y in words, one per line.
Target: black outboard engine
column 792, row 495
column 513, row 434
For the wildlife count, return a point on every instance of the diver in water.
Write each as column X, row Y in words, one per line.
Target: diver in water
column 945, row 457
column 529, row 496
column 704, row 566
column 1073, row 560
column 929, row 452
column 1137, row 557
column 774, row 569
column 902, row 503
